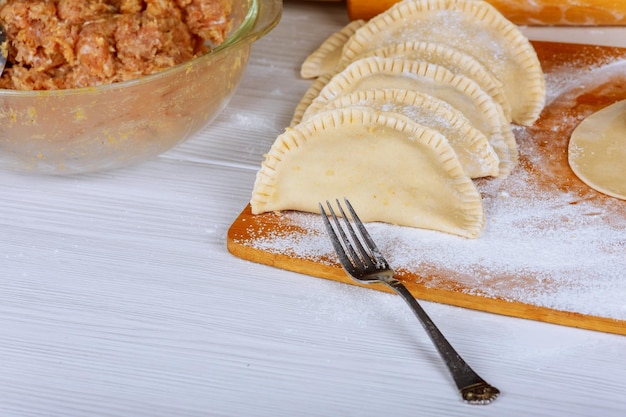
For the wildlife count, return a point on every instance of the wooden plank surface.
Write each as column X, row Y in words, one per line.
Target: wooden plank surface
column 580, row 79
column 538, row 12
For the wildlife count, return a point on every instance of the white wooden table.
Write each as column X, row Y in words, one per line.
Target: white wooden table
column 118, row 297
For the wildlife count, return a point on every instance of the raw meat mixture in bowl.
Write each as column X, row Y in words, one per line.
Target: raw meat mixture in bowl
column 101, row 84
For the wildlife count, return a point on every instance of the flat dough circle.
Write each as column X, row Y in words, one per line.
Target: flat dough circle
column 597, row 150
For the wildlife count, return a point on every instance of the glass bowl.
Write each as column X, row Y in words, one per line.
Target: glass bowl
column 111, row 126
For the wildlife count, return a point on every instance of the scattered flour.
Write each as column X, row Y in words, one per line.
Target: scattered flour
column 565, row 81
column 543, row 251
column 541, row 247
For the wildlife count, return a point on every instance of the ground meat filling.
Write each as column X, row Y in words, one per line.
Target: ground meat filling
column 60, row 44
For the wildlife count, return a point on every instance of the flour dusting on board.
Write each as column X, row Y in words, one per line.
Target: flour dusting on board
column 571, row 79
column 541, row 246
column 571, row 257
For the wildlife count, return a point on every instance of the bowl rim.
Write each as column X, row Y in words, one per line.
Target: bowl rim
column 260, row 18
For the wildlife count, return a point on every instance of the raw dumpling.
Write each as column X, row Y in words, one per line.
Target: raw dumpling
column 472, row 26
column 308, row 97
column 472, row 147
column 456, row 61
column 461, row 92
column 325, row 58
column 452, row 59
column 391, row 168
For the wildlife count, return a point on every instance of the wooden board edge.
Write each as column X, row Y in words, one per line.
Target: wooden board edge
column 238, row 236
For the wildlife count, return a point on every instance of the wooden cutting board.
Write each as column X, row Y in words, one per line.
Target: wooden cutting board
column 554, row 250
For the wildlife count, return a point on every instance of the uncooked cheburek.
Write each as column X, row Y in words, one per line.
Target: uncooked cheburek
column 471, row 146
column 325, row 58
column 309, row 95
column 459, row 91
column 474, row 27
column 446, row 56
column 458, row 62
column 597, row 150
column 456, row 71
column 393, row 169
column 57, row 45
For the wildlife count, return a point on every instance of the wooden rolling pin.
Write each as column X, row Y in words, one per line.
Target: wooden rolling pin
column 527, row 12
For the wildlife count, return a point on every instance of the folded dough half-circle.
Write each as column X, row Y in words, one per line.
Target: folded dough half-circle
column 435, row 53
column 325, row 58
column 452, row 59
column 309, row 95
column 474, row 27
column 472, row 147
column 459, row 91
column 393, row 169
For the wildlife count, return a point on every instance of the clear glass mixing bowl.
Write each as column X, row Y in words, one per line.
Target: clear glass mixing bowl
column 106, row 127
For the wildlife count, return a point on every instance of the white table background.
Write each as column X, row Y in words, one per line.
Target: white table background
column 118, row 296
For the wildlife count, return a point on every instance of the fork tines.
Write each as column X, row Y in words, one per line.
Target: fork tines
column 350, row 250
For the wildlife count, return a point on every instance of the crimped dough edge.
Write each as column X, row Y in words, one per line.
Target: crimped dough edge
column 472, row 219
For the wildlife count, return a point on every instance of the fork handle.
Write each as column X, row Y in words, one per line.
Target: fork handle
column 472, row 387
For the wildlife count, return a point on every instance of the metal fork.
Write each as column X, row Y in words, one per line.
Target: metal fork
column 363, row 261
